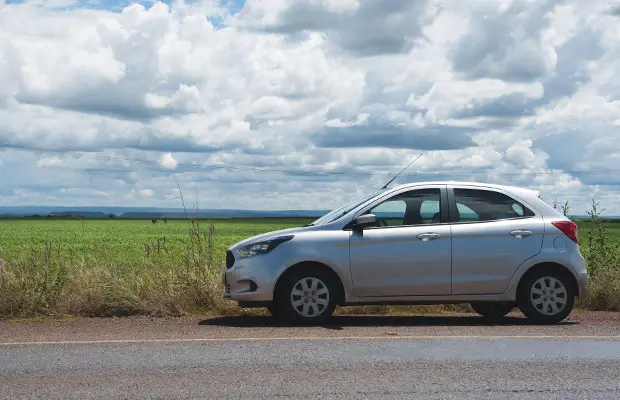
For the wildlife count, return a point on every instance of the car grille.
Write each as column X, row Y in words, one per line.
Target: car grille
column 230, row 259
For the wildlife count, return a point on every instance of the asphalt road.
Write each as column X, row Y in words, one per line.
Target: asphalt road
column 431, row 359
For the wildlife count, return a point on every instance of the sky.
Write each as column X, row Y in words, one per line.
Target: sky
column 305, row 104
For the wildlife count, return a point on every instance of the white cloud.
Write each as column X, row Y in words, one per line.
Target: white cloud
column 511, row 91
column 168, row 161
column 396, row 24
column 446, row 98
column 341, row 6
column 505, row 42
column 146, row 192
column 46, row 162
column 521, row 155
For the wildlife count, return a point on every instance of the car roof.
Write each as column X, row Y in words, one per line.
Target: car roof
column 508, row 188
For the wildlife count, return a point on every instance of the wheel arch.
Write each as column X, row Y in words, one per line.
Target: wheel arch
column 553, row 266
column 315, row 265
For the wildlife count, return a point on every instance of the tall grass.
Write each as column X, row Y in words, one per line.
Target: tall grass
column 57, row 280
column 602, row 253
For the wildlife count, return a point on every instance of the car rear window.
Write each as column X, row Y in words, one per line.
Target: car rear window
column 486, row 205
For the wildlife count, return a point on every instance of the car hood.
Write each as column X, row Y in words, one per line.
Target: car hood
column 271, row 235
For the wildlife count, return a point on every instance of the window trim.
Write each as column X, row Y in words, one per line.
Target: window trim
column 444, row 214
column 454, row 212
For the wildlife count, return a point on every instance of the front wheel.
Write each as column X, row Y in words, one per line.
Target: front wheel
column 546, row 296
column 492, row 311
column 307, row 295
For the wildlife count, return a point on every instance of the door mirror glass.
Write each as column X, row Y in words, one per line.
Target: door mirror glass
column 365, row 221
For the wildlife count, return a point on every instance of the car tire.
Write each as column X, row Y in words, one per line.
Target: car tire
column 492, row 311
column 298, row 303
column 546, row 296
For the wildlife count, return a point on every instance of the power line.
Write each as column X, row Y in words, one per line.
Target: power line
column 81, row 154
column 197, row 166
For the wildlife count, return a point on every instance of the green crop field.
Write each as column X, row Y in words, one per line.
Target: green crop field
column 613, row 227
column 125, row 242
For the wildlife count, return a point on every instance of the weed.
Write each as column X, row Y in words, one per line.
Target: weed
column 602, row 253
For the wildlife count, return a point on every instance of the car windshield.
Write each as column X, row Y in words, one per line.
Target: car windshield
column 340, row 212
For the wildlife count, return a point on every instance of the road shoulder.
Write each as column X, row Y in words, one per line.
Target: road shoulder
column 584, row 324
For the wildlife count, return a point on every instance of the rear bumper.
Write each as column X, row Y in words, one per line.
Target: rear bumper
column 580, row 270
column 583, row 283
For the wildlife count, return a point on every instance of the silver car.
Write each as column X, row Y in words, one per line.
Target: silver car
column 495, row 247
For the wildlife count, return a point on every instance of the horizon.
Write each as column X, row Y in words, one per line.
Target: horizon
column 257, row 212
column 148, row 208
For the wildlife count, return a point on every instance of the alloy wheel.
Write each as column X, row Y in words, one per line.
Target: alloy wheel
column 310, row 297
column 548, row 295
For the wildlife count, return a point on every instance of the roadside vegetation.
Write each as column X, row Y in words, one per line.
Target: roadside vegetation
column 114, row 267
column 600, row 245
column 118, row 267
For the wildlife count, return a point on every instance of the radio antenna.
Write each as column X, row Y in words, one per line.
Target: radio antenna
column 403, row 170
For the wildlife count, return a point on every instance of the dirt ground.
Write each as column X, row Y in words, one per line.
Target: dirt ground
column 579, row 323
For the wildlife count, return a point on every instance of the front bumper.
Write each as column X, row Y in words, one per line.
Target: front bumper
column 251, row 280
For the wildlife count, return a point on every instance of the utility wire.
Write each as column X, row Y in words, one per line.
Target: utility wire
column 81, row 154
column 197, row 166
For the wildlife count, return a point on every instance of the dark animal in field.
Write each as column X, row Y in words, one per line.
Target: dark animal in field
column 154, row 221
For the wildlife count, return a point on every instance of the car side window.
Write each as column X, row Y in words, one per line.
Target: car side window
column 391, row 212
column 486, row 205
column 415, row 207
column 466, row 214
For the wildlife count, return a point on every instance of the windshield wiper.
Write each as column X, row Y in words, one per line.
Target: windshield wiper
column 307, row 225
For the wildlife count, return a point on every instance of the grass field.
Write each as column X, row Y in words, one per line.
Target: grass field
column 613, row 227
column 120, row 267
column 124, row 242
column 130, row 242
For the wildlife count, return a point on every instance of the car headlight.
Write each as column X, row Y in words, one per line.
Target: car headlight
column 262, row 247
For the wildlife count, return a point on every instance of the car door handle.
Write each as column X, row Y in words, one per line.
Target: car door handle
column 521, row 234
column 425, row 237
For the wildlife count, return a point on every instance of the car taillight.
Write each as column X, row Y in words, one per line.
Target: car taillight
column 568, row 228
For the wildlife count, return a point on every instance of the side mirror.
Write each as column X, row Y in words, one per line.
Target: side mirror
column 364, row 221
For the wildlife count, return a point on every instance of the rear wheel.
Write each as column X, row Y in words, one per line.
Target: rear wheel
column 546, row 296
column 492, row 311
column 307, row 295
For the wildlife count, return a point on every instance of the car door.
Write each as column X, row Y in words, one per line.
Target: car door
column 492, row 234
column 408, row 252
